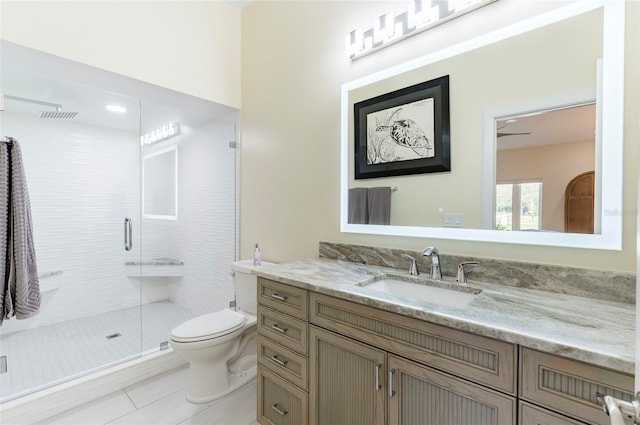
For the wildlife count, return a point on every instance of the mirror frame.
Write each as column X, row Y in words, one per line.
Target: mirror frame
column 145, row 214
column 611, row 95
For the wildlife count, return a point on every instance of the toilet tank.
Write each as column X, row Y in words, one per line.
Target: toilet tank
column 245, row 284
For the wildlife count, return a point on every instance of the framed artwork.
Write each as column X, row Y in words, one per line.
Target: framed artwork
column 403, row 132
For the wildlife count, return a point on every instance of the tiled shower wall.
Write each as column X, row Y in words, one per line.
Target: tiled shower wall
column 203, row 236
column 84, row 180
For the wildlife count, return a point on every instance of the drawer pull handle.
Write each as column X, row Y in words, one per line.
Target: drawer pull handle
column 278, row 328
column 391, row 392
column 279, row 410
column 279, row 297
column 378, row 386
column 282, row 363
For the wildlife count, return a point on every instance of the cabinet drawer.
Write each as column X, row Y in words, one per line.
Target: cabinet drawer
column 291, row 366
column 534, row 415
column 570, row 386
column 474, row 357
column 285, row 298
column 279, row 402
column 284, row 329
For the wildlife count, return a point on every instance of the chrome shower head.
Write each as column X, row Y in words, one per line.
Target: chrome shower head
column 58, row 114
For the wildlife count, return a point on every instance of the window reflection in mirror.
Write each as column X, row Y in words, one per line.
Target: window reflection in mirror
column 518, row 206
column 160, row 184
column 545, row 149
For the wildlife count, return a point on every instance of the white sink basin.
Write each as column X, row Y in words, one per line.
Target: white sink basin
column 445, row 294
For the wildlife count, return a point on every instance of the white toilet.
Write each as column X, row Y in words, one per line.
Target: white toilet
column 221, row 346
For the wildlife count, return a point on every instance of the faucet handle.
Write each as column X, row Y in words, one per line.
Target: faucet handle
column 413, row 267
column 461, row 277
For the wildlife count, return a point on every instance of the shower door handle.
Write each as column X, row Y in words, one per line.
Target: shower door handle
column 128, row 234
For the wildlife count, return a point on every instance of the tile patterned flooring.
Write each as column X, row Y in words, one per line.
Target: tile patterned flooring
column 161, row 401
column 52, row 353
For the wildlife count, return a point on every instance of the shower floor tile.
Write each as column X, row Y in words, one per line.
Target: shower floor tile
column 39, row 357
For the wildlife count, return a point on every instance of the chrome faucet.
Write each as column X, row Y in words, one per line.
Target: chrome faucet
column 432, row 253
column 413, row 267
column 461, row 278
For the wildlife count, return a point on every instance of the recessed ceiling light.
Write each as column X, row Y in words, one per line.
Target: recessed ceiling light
column 117, row 109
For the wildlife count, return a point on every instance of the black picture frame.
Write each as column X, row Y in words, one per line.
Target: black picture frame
column 403, row 132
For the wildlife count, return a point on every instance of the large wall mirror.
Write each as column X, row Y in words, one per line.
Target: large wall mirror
column 551, row 88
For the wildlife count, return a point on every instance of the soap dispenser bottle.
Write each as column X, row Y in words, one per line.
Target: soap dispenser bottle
column 256, row 256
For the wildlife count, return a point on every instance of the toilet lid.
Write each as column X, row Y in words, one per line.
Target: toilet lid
column 209, row 326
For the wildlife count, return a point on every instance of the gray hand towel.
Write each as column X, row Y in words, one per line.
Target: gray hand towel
column 20, row 295
column 379, row 205
column 358, row 206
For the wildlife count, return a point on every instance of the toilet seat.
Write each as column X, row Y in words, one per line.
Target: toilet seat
column 209, row 326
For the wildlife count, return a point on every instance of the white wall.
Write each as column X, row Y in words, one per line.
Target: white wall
column 293, row 66
column 188, row 46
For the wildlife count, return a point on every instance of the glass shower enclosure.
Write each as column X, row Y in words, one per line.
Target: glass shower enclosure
column 133, row 208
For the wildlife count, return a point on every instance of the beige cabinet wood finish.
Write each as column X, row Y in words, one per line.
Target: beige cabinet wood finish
column 570, row 386
column 346, row 381
column 484, row 360
column 284, row 329
column 282, row 354
column 421, row 395
column 279, row 402
column 533, row 415
column 286, row 363
column 409, row 392
column 285, row 298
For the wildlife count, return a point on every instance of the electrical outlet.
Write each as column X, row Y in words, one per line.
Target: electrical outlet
column 452, row 220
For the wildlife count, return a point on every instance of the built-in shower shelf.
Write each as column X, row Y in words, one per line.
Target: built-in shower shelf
column 158, row 267
column 49, row 285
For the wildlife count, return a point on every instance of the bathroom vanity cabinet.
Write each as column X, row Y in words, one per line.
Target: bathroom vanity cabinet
column 393, row 383
column 324, row 360
column 282, row 377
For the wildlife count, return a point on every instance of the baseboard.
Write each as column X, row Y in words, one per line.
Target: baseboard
column 52, row 401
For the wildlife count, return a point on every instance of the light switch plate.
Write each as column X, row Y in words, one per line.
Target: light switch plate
column 452, row 220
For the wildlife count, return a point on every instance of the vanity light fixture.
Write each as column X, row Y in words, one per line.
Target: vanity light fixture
column 161, row 133
column 116, row 108
column 420, row 16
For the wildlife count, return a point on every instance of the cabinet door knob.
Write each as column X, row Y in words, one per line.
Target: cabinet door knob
column 378, row 386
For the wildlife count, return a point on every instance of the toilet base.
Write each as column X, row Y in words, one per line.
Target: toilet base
column 236, row 381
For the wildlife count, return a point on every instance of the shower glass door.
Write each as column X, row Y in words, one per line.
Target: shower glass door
column 188, row 217
column 83, row 177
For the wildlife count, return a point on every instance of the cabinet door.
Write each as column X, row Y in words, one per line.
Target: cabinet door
column 421, row 395
column 347, row 381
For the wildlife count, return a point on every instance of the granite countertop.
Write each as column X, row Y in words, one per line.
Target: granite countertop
column 594, row 331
